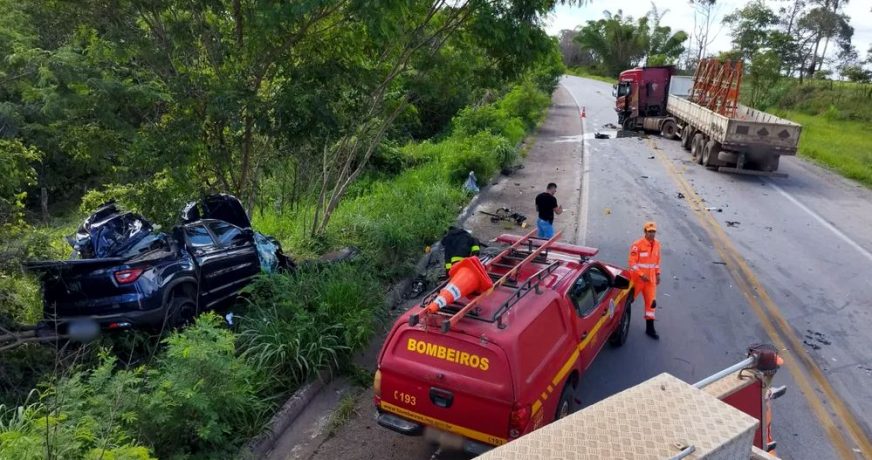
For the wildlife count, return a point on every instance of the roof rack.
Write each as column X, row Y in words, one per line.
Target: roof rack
column 532, row 284
column 451, row 321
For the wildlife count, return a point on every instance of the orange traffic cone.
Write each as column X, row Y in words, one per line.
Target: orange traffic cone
column 583, row 115
column 467, row 276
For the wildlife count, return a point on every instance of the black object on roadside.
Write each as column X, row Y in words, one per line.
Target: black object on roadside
column 506, row 214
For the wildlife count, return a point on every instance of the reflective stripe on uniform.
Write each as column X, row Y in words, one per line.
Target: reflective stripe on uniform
column 475, row 248
column 646, row 266
column 649, row 315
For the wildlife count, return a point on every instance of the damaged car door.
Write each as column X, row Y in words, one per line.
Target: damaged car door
column 227, row 258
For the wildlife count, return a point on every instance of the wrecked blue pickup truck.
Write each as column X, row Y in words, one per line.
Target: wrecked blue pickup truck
column 124, row 274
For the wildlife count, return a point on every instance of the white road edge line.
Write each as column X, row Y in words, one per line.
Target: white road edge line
column 823, row 222
column 581, row 228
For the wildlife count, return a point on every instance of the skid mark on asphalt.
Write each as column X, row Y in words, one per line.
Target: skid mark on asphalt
column 839, row 423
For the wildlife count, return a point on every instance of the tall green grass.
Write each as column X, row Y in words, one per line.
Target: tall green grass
column 842, row 145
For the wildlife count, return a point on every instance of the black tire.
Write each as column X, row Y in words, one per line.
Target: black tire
column 566, row 404
column 181, row 311
column 710, row 154
column 629, row 124
column 619, row 337
column 686, row 137
column 668, row 129
column 696, row 147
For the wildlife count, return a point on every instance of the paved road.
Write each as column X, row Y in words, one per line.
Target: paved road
column 784, row 261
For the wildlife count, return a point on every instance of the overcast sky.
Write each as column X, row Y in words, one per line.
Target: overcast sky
column 680, row 17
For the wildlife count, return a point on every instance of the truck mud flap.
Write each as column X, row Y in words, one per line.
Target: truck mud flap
column 751, row 172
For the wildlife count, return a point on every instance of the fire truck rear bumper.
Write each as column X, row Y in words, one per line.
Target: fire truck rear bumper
column 410, row 428
column 399, row 424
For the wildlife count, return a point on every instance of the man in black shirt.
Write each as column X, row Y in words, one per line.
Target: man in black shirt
column 546, row 206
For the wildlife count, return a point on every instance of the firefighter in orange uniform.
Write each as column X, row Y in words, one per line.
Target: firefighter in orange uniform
column 644, row 265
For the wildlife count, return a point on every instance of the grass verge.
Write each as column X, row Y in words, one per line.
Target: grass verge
column 842, row 145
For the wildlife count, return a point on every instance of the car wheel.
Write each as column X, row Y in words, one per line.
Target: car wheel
column 566, row 404
column 619, row 337
column 686, row 137
column 182, row 311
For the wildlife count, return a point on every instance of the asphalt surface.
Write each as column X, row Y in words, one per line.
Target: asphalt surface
column 745, row 260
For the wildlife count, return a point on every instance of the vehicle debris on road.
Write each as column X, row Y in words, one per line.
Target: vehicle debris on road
column 506, row 215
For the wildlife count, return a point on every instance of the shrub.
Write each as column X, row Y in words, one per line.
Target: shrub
column 488, row 118
column 300, row 323
column 158, row 199
column 527, row 103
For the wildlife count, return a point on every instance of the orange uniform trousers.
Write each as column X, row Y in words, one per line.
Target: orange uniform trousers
column 644, row 259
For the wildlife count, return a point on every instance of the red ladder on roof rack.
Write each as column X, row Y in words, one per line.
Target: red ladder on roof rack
column 450, row 322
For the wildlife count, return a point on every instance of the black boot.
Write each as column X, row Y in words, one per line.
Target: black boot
column 649, row 329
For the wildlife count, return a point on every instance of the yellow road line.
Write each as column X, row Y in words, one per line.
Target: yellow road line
column 779, row 330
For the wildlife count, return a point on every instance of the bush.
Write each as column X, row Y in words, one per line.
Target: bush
column 301, row 323
column 159, row 200
column 527, row 103
column 35, row 431
column 488, row 118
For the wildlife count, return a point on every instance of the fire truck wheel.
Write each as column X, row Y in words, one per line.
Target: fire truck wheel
column 619, row 337
column 565, row 406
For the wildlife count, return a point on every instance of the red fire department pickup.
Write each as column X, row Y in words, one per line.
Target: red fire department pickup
column 487, row 367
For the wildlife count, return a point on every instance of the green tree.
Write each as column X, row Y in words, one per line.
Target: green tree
column 616, row 41
column 751, row 28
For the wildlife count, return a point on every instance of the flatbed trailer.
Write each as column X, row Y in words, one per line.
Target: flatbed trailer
column 704, row 112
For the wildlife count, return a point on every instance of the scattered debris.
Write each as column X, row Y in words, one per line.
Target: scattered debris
column 865, row 369
column 812, row 345
column 599, row 135
column 733, row 223
column 506, row 215
column 608, row 211
column 718, row 262
column 610, row 126
column 768, row 228
column 644, row 177
column 714, row 209
column 680, row 196
column 651, row 157
column 470, row 184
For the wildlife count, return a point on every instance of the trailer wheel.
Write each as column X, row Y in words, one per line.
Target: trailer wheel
column 696, row 147
column 771, row 164
column 686, row 137
column 710, row 154
column 667, row 129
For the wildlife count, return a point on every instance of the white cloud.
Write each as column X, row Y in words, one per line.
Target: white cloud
column 680, row 17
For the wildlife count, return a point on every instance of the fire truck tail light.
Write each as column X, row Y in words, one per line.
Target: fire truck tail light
column 376, row 384
column 519, row 420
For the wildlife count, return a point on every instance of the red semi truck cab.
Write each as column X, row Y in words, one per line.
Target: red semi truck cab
column 492, row 367
column 642, row 92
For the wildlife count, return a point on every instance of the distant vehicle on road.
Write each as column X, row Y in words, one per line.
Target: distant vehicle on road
column 486, row 369
column 704, row 111
column 126, row 275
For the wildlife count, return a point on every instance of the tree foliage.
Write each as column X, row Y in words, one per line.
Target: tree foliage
column 619, row 42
